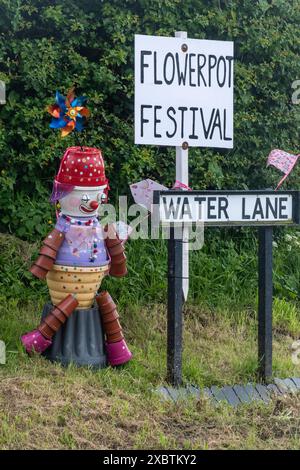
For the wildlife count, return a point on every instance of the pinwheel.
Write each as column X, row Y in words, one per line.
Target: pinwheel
column 69, row 113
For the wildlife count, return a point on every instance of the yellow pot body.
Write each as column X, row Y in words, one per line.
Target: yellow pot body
column 81, row 281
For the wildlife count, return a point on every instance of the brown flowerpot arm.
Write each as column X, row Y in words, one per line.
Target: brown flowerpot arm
column 47, row 254
column 116, row 251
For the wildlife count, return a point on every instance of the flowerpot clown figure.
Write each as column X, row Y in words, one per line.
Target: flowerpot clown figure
column 75, row 257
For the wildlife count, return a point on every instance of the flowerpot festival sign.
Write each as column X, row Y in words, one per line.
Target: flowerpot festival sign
column 183, row 92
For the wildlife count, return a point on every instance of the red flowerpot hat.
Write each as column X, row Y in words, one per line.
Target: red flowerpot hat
column 80, row 166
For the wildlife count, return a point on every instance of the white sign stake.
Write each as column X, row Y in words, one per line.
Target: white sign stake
column 182, row 175
column 2, row 352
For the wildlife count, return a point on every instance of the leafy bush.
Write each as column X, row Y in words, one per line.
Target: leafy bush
column 223, row 275
column 50, row 44
column 16, row 282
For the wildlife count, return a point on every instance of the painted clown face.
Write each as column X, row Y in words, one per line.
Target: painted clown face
column 82, row 201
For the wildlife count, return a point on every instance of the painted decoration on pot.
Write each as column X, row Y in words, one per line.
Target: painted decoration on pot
column 77, row 255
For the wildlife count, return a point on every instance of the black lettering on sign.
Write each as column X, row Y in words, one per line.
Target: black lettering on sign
column 211, row 207
column 223, row 205
column 156, row 120
column 191, row 69
column 143, row 120
column 212, row 60
column 200, row 67
column 221, row 60
column 156, row 81
column 143, row 65
column 216, row 124
column 193, row 135
column 224, row 126
column 169, row 81
column 186, row 210
column 183, row 109
column 206, row 130
column 169, row 110
column 271, row 208
column 181, row 74
column 200, row 199
column 171, row 210
column 229, row 59
column 258, row 210
column 244, row 215
column 282, row 207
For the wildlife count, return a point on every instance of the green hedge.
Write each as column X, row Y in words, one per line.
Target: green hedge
column 49, row 45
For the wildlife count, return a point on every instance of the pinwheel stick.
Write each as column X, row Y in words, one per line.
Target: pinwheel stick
column 77, row 140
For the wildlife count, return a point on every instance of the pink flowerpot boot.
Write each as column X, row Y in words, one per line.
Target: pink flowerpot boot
column 35, row 342
column 116, row 347
column 118, row 353
column 39, row 340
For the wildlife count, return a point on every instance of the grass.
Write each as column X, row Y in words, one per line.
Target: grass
column 44, row 405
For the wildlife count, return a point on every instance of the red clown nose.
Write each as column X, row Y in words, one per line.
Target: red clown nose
column 94, row 205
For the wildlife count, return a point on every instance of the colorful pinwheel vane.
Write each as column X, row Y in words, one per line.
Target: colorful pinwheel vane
column 68, row 113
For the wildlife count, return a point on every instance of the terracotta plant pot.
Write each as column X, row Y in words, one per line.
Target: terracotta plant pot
column 118, row 270
column 110, row 317
column 58, row 316
column 38, row 272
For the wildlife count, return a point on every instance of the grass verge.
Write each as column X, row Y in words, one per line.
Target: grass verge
column 44, row 405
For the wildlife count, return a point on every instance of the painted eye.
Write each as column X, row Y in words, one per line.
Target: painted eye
column 101, row 197
column 85, row 198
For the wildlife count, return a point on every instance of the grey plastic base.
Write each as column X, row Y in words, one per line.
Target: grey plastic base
column 79, row 341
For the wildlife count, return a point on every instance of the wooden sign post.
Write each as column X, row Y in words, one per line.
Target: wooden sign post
column 261, row 209
column 174, row 313
column 265, row 300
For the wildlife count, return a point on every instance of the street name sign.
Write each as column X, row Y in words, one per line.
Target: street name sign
column 262, row 210
column 216, row 208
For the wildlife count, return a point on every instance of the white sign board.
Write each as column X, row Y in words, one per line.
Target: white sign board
column 223, row 208
column 183, row 92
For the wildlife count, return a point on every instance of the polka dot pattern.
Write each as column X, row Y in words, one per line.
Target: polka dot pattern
column 76, row 167
column 83, row 281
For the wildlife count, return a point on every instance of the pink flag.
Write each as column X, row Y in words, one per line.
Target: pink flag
column 179, row 185
column 283, row 161
column 142, row 192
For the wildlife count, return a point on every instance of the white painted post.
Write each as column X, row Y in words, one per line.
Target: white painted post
column 182, row 175
column 2, row 92
column 2, row 352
